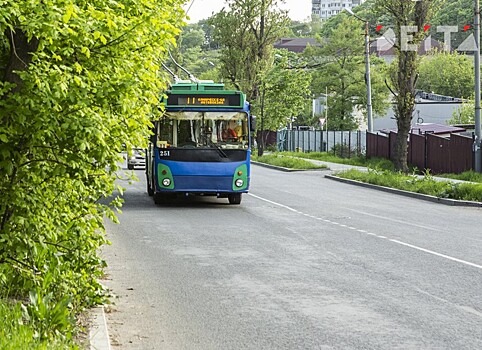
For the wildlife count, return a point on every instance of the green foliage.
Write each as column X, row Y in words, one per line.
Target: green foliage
column 48, row 316
column 425, row 184
column 465, row 114
column 87, row 88
column 404, row 13
column 467, row 192
column 287, row 162
column 285, row 91
column 471, row 176
column 454, row 13
column 376, row 163
column 342, row 73
column 304, row 29
column 192, row 36
column 342, row 150
column 445, row 73
column 246, row 33
column 366, row 11
column 18, row 332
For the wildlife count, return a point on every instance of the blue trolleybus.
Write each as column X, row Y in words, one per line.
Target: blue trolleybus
column 201, row 143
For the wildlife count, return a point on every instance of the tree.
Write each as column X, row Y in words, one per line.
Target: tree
column 454, row 13
column 192, row 36
column 366, row 11
column 342, row 72
column 303, row 29
column 285, row 90
column 202, row 64
column 246, row 33
column 210, row 42
column 80, row 82
column 465, row 114
column 445, row 73
column 409, row 18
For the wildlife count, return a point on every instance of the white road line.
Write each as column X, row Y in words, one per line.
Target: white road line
column 275, row 203
column 378, row 236
column 435, row 253
column 394, row 220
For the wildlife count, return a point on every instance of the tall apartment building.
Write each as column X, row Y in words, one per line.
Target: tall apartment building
column 324, row 9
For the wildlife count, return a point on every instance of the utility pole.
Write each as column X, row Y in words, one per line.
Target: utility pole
column 368, row 78
column 478, row 133
column 367, row 69
column 260, row 56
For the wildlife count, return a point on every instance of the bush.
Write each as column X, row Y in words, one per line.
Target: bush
column 342, row 150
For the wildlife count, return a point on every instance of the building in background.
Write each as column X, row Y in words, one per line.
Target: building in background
column 324, row 9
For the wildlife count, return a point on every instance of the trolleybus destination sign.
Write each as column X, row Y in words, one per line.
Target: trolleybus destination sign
column 233, row 100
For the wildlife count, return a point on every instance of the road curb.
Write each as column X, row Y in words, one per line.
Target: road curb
column 98, row 333
column 445, row 201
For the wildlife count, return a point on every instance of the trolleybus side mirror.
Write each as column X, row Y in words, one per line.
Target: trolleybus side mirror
column 252, row 122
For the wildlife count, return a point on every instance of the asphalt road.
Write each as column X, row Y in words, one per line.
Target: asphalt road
column 303, row 263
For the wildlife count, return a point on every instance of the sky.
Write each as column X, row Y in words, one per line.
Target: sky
column 202, row 9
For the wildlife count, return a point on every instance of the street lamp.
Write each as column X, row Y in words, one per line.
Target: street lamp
column 367, row 69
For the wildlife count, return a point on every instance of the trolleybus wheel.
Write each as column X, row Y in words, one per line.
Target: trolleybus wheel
column 150, row 191
column 234, row 198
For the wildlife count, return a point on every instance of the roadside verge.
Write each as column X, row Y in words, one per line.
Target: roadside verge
column 445, row 201
column 434, row 199
column 280, row 168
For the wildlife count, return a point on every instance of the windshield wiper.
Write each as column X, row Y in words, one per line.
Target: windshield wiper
column 219, row 149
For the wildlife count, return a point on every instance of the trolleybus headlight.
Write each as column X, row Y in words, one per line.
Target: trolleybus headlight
column 166, row 182
column 239, row 183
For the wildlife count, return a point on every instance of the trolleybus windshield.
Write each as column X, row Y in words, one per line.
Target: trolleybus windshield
column 193, row 129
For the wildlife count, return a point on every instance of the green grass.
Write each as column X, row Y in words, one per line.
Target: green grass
column 286, row 162
column 376, row 163
column 424, row 185
column 16, row 332
column 471, row 176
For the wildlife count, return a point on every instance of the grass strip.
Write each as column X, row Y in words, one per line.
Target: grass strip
column 287, row 162
column 419, row 184
column 471, row 176
column 376, row 163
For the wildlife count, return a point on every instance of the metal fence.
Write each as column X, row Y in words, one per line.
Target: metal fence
column 345, row 143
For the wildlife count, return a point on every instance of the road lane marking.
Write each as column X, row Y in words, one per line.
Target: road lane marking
column 394, row 220
column 437, row 254
column 428, row 251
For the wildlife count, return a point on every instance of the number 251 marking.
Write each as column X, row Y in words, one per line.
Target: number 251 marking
column 164, row 153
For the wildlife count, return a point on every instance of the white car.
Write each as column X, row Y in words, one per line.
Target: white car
column 137, row 159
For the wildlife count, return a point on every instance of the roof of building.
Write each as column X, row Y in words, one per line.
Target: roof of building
column 431, row 128
column 385, row 46
column 295, row 44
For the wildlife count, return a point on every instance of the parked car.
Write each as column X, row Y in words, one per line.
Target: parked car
column 137, row 159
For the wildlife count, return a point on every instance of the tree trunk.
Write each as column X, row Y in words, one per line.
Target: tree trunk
column 20, row 56
column 406, row 77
